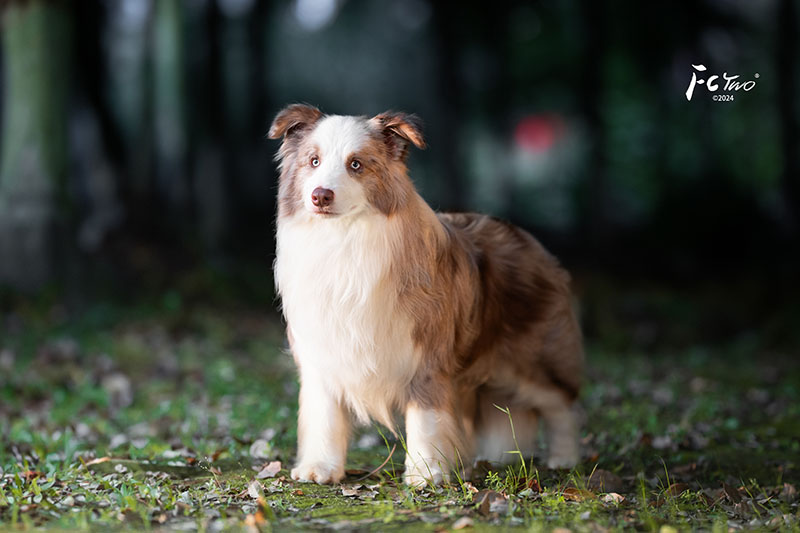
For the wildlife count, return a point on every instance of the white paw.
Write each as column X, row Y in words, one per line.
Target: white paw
column 419, row 475
column 318, row 473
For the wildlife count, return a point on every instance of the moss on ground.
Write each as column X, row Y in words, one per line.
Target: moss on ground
column 164, row 419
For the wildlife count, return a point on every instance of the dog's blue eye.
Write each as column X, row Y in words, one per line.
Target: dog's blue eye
column 314, row 161
column 355, row 164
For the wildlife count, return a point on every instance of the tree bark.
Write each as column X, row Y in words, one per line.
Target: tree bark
column 33, row 200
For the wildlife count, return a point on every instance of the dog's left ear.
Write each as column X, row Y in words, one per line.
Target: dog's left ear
column 399, row 130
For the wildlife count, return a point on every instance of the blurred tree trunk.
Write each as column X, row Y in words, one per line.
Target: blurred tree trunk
column 591, row 96
column 170, row 116
column 205, row 133
column 124, row 92
column 787, row 48
column 452, row 192
column 34, row 151
column 243, row 63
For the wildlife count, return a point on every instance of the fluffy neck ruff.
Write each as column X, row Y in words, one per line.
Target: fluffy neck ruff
column 341, row 281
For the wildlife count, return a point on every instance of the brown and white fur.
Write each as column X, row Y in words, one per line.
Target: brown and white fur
column 392, row 306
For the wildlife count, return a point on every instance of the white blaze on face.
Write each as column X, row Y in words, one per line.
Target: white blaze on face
column 336, row 138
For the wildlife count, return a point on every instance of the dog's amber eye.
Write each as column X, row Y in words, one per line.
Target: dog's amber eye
column 355, row 164
column 315, row 161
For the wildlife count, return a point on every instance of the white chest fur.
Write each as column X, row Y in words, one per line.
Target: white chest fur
column 340, row 305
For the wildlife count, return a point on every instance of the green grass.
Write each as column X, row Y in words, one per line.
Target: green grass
column 147, row 419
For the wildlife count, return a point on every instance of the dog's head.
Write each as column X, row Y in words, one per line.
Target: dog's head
column 333, row 165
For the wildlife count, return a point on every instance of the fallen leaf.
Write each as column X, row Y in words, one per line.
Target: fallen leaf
column 175, row 453
column 742, row 509
column 697, row 441
column 119, row 390
column 683, row 470
column 480, row 470
column 731, row 492
column 261, row 449
column 676, row 489
column 350, row 491
column 780, row 520
column 7, row 358
column 470, row 487
column 499, row 506
column 463, row 522
column 128, row 515
column 484, row 500
column 788, row 493
column 533, row 484
column 577, row 495
column 613, row 497
column 69, row 501
column 118, row 440
column 661, row 442
column 254, row 489
column 527, row 493
column 30, row 475
column 705, row 499
column 604, row 481
column 217, row 453
column 98, row 460
column 59, row 351
column 271, row 469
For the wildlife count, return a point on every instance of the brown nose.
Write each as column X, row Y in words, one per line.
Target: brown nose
column 322, row 197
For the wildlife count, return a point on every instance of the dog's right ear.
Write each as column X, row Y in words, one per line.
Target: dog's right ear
column 293, row 119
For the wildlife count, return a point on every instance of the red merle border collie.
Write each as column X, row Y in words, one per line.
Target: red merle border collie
column 390, row 305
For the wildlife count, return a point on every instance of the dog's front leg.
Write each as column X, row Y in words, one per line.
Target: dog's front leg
column 322, row 432
column 430, row 439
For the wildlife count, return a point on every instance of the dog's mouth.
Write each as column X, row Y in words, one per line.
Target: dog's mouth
column 324, row 211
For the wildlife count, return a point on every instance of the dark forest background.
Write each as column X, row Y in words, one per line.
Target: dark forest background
column 133, row 157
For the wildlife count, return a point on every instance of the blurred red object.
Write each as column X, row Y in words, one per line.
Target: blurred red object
column 538, row 133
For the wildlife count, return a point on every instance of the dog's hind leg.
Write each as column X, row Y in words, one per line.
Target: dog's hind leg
column 495, row 439
column 561, row 425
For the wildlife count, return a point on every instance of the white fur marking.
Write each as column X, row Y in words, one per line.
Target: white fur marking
column 324, row 427
column 430, row 455
column 336, row 138
column 341, row 309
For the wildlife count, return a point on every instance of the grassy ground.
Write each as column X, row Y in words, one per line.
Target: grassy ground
column 170, row 419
